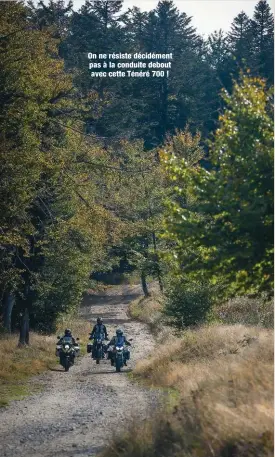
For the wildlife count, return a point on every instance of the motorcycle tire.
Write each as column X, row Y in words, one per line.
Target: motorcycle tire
column 118, row 366
column 97, row 361
column 66, row 365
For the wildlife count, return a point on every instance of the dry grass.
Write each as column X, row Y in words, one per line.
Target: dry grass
column 146, row 309
column 224, row 379
column 258, row 311
column 204, row 347
column 19, row 364
column 149, row 310
column 80, row 328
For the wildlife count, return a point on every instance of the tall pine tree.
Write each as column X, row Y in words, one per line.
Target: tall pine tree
column 262, row 26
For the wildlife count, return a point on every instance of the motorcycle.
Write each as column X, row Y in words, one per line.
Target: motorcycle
column 67, row 351
column 97, row 348
column 119, row 357
column 119, row 354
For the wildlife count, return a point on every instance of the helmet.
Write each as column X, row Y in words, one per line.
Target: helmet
column 68, row 332
column 119, row 332
column 99, row 320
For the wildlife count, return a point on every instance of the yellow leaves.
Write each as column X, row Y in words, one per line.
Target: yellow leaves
column 180, row 155
column 241, row 275
column 163, row 155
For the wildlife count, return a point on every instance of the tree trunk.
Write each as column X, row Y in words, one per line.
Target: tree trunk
column 9, row 301
column 144, row 284
column 24, row 328
column 160, row 281
column 157, row 258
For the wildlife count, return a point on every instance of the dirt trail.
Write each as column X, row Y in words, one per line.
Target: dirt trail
column 77, row 412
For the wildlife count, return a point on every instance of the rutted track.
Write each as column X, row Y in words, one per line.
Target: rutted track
column 77, row 412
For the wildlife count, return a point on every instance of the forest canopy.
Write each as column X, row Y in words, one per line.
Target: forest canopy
column 170, row 177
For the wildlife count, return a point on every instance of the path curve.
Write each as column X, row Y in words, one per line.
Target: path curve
column 77, row 412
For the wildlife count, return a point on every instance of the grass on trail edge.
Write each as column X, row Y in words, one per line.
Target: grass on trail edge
column 19, row 364
column 222, row 376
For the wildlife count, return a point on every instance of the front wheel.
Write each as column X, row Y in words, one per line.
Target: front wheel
column 118, row 365
column 66, row 364
column 98, row 354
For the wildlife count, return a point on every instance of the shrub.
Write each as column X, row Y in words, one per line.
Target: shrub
column 188, row 303
column 257, row 311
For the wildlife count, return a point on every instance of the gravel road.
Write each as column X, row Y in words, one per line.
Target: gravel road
column 77, row 412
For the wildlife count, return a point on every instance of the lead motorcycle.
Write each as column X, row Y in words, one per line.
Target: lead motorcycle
column 97, row 348
column 67, row 351
column 119, row 355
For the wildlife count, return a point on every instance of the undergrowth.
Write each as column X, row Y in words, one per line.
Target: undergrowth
column 223, row 377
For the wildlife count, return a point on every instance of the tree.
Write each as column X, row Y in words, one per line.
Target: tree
column 27, row 97
column 48, row 244
column 222, row 222
column 240, row 39
column 217, row 47
column 135, row 196
column 262, row 27
column 171, row 102
column 55, row 16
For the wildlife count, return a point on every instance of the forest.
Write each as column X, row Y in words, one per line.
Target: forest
column 165, row 178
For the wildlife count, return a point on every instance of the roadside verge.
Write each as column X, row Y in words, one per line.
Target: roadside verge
column 224, row 376
column 20, row 364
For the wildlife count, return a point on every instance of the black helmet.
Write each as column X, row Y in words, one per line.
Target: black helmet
column 99, row 320
column 119, row 332
column 68, row 332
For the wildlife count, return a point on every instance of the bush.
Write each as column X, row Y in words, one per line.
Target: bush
column 257, row 311
column 188, row 303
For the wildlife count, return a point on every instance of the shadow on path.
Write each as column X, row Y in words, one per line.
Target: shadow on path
column 113, row 300
column 92, row 373
column 57, row 369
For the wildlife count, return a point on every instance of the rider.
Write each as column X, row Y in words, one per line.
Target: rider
column 67, row 334
column 119, row 338
column 98, row 330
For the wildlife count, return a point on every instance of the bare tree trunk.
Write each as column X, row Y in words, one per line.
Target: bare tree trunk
column 160, row 281
column 24, row 338
column 9, row 301
column 144, row 284
column 157, row 261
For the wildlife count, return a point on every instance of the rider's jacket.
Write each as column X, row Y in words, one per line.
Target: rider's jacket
column 119, row 340
column 99, row 329
column 65, row 336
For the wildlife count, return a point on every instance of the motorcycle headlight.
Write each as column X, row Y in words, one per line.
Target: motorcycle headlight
column 118, row 348
column 67, row 346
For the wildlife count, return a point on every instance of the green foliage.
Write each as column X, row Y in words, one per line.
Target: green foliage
column 188, row 302
column 75, row 199
column 222, row 218
column 248, row 45
column 54, row 227
column 262, row 28
column 136, row 195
